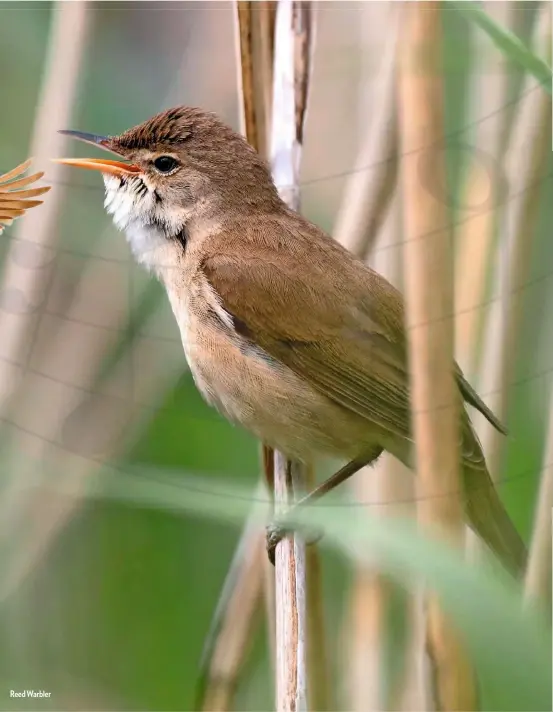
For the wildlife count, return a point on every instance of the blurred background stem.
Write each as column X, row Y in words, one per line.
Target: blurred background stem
column 428, row 263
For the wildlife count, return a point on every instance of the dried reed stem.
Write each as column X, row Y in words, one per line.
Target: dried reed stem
column 537, row 583
column 318, row 677
column 483, row 189
column 429, row 309
column 301, row 654
column 87, row 420
column 263, row 49
column 526, row 163
column 483, row 193
column 369, row 191
column 245, row 31
column 35, row 237
column 364, row 208
column 256, row 31
column 291, row 599
column 36, row 234
column 235, row 622
column 388, row 491
column 367, row 225
column 394, row 488
column 63, row 468
column 265, row 14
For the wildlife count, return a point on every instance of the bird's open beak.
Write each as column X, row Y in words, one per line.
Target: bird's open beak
column 114, row 168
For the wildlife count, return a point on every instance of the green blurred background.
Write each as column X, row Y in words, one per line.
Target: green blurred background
column 114, row 612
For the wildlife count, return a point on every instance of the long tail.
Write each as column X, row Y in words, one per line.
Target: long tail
column 488, row 517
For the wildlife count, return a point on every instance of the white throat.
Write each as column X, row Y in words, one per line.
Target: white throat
column 147, row 226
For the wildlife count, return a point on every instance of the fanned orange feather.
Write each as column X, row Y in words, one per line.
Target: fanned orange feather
column 13, row 203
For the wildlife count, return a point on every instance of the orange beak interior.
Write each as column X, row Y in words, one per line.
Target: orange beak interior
column 113, row 168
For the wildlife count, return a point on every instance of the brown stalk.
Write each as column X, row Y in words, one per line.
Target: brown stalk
column 317, row 664
column 388, row 491
column 369, row 191
column 245, row 29
column 71, row 447
column 537, row 583
column 482, row 196
column 256, row 30
column 318, row 680
column 263, row 49
column 265, row 15
column 36, row 237
column 429, row 308
column 290, row 598
column 61, row 380
column 235, row 622
column 526, row 163
column 483, row 190
column 368, row 226
column 36, row 234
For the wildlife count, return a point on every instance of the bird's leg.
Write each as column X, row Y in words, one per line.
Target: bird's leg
column 276, row 531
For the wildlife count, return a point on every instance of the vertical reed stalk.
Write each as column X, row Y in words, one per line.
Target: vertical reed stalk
column 36, row 234
column 369, row 226
column 371, row 187
column 36, row 237
column 64, row 470
column 266, row 16
column 387, row 490
column 537, row 584
column 301, row 657
column 483, row 189
column 525, row 166
column 429, row 310
column 234, row 623
column 482, row 195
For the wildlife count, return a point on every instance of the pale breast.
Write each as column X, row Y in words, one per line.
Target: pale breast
column 252, row 389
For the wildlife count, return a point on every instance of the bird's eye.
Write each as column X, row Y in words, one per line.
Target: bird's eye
column 165, row 164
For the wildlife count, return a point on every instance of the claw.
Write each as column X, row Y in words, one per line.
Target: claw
column 276, row 532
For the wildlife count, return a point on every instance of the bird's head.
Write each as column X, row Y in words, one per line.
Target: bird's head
column 183, row 170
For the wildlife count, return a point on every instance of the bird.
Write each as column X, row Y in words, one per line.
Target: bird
column 285, row 331
column 13, row 200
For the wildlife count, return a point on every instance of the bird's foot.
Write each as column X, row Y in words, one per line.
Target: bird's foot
column 276, row 531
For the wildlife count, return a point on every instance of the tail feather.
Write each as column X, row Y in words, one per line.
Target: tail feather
column 488, row 517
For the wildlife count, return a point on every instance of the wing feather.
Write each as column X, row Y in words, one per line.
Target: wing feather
column 351, row 346
column 346, row 353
